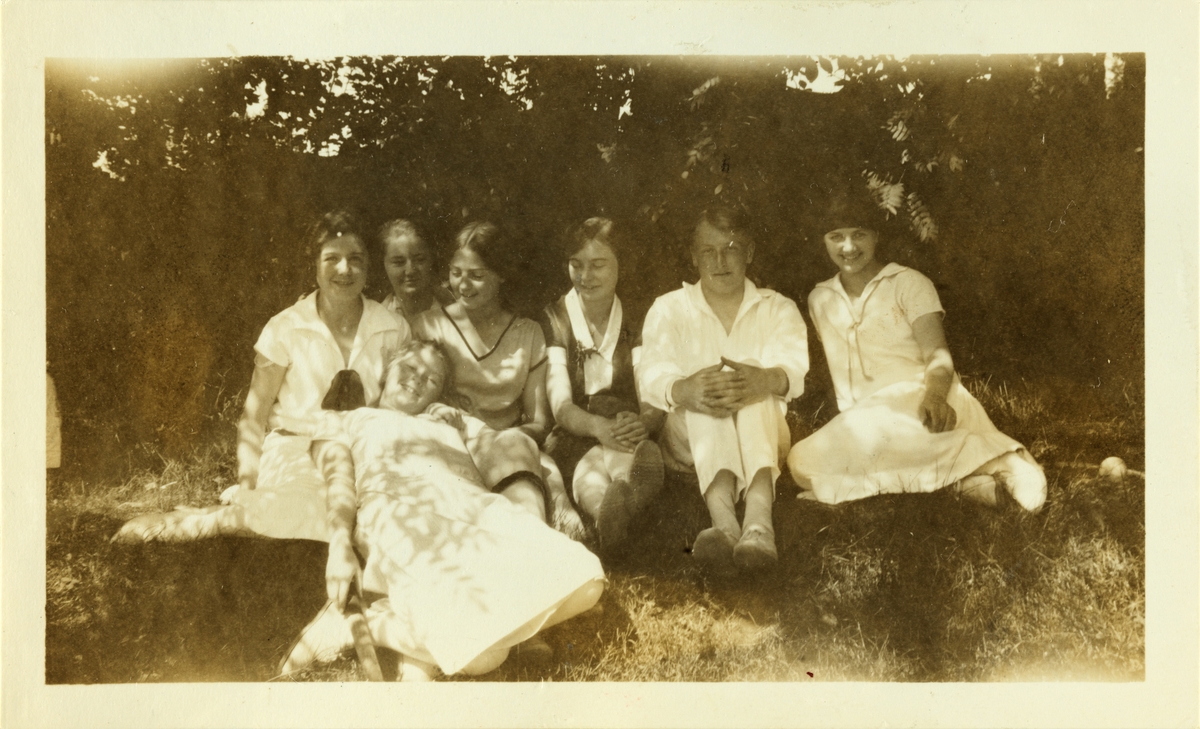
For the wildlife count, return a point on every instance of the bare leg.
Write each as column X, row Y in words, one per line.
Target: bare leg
column 592, row 481
column 719, row 499
column 756, row 549
column 713, row 548
column 527, row 495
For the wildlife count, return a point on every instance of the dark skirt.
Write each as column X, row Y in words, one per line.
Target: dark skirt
column 567, row 449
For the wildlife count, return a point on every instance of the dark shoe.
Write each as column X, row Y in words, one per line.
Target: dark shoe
column 535, row 650
column 755, row 551
column 646, row 475
column 616, row 511
column 713, row 551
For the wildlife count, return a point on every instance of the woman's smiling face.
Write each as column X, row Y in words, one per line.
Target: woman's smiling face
column 342, row 267
column 409, row 265
column 476, row 286
column 413, row 382
column 851, row 249
column 593, row 271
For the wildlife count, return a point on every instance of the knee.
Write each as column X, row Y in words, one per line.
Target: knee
column 590, row 594
column 528, row 495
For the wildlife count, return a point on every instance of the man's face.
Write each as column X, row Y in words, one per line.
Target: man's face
column 721, row 259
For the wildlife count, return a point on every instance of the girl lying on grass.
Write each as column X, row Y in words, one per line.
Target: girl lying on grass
column 906, row 424
column 460, row 574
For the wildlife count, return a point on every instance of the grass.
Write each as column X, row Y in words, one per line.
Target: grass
column 922, row 587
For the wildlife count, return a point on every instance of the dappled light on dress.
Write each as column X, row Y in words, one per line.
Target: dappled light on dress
column 464, row 569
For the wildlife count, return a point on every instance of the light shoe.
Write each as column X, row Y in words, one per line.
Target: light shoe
column 1023, row 479
column 755, row 551
column 713, row 551
column 414, row 671
column 322, row 641
column 979, row 487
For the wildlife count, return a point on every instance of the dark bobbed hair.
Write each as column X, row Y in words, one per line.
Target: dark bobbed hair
column 731, row 220
column 497, row 249
column 599, row 229
column 853, row 207
column 333, row 224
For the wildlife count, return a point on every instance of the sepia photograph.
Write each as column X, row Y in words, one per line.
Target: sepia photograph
column 771, row 368
column 934, row 269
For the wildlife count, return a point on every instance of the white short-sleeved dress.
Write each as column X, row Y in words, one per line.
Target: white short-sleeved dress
column 288, row 501
column 877, row 443
column 464, row 569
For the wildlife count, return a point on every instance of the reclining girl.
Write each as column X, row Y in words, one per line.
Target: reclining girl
column 460, row 574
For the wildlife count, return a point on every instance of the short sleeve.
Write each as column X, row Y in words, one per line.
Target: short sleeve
column 537, row 346
column 552, row 329
column 917, row 296
column 272, row 343
column 424, row 326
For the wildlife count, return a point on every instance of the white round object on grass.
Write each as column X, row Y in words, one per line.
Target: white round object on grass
column 1113, row 469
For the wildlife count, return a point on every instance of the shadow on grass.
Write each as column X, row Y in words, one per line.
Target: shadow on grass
column 216, row 610
column 921, row 587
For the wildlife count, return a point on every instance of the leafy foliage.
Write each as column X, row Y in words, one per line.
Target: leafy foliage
column 177, row 191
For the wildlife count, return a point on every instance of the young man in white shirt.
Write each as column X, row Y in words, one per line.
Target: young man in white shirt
column 723, row 357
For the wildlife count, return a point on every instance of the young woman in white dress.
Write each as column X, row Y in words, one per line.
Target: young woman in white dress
column 411, row 266
column 906, row 422
column 326, row 351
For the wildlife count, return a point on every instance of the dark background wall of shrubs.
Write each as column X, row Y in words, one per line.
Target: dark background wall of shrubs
column 175, row 216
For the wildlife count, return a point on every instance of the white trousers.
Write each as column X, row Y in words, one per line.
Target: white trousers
column 754, row 438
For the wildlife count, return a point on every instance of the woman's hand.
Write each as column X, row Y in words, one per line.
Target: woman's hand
column 440, row 413
column 936, row 414
column 341, row 569
column 629, row 430
column 606, row 431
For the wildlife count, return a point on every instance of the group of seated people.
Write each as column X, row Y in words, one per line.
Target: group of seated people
column 430, row 439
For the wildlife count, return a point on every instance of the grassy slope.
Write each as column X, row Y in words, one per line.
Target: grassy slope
column 914, row 587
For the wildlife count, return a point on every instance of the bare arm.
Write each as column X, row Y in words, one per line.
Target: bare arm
column 336, row 465
column 535, row 405
column 252, row 427
column 937, row 415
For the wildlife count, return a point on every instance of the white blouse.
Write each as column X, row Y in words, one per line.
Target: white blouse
column 682, row 334
column 869, row 340
column 297, row 339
